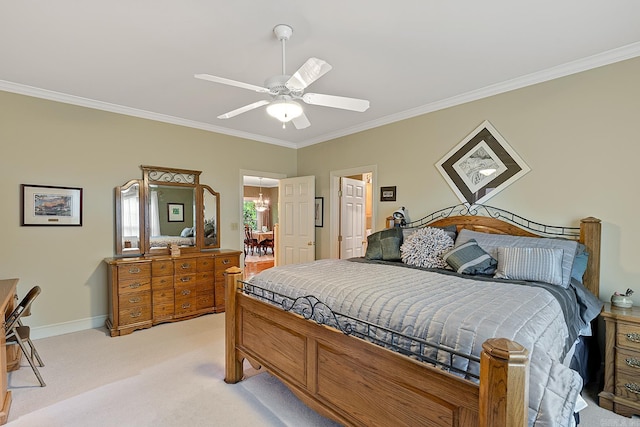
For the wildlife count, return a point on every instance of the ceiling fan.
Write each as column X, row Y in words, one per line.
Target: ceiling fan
column 286, row 90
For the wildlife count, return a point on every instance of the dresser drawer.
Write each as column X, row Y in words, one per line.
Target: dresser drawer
column 205, row 280
column 134, row 271
column 204, row 299
column 163, row 303
column 162, row 268
column 185, row 279
column 185, row 300
column 135, row 307
column 224, row 262
column 628, row 336
column 134, row 285
column 162, row 282
column 185, row 266
column 205, row 264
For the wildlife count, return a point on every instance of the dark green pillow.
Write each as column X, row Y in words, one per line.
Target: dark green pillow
column 385, row 245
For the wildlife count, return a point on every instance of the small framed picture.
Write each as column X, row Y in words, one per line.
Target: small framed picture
column 176, row 212
column 388, row 194
column 50, row 205
column 319, row 211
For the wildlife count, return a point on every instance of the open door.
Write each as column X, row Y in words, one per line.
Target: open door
column 352, row 218
column 297, row 235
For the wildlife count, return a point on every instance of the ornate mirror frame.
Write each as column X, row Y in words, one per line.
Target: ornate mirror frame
column 193, row 218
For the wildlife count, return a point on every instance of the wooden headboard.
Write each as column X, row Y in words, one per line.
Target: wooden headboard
column 487, row 219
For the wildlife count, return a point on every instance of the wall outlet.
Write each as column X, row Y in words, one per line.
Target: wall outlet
column 234, row 225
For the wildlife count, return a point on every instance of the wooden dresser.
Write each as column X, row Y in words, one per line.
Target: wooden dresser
column 145, row 291
column 621, row 392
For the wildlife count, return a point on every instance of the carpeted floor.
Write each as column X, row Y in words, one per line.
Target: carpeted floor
column 166, row 376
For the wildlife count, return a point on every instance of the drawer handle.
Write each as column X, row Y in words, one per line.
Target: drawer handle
column 185, row 279
column 187, row 305
column 186, row 292
column 136, row 299
column 185, row 266
column 633, row 362
column 134, row 285
column 633, row 337
column 633, row 387
column 134, row 270
column 226, row 261
column 137, row 314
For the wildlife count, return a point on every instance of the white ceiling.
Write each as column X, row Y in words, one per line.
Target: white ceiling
column 408, row 58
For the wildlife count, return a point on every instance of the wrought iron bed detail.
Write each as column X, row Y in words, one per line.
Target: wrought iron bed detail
column 311, row 308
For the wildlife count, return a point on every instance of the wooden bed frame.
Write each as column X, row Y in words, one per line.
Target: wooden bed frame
column 358, row 383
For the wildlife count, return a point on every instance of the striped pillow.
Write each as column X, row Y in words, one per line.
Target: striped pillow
column 469, row 258
column 532, row 264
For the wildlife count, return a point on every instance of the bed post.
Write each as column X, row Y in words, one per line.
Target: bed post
column 233, row 365
column 504, row 384
column 590, row 230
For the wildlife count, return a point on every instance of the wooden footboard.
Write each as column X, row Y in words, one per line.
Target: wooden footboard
column 361, row 384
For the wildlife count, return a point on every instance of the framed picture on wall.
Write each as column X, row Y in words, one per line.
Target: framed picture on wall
column 319, row 211
column 51, row 205
column 388, row 194
column 481, row 165
column 176, row 212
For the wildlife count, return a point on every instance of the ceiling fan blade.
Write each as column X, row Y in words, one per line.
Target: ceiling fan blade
column 353, row 104
column 301, row 122
column 310, row 71
column 243, row 109
column 230, row 82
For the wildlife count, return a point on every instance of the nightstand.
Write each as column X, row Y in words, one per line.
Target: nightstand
column 621, row 392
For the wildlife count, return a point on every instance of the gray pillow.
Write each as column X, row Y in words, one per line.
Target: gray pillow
column 491, row 243
column 532, row 264
column 384, row 245
column 469, row 258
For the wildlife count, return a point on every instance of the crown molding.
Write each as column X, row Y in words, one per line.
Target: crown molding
column 580, row 65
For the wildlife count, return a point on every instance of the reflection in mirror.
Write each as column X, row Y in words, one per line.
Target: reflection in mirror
column 211, row 212
column 128, row 226
column 171, row 216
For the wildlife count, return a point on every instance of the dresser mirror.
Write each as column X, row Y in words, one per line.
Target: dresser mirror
column 168, row 206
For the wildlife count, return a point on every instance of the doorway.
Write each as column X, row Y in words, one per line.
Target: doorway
column 368, row 174
column 259, row 213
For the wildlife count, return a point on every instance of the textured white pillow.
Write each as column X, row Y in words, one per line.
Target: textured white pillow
column 425, row 248
column 532, row 264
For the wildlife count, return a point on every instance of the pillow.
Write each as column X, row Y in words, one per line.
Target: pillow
column 384, row 245
column 580, row 263
column 491, row 243
column 533, row 264
column 469, row 258
column 187, row 232
column 450, row 230
column 425, row 247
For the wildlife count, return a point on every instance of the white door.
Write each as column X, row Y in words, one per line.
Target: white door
column 297, row 233
column 352, row 218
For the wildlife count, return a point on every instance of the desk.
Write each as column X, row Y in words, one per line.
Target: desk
column 10, row 358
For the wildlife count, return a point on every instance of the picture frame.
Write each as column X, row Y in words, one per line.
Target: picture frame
column 175, row 212
column 481, row 165
column 48, row 205
column 388, row 194
column 319, row 211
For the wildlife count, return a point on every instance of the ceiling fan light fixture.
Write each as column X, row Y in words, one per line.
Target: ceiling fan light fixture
column 284, row 110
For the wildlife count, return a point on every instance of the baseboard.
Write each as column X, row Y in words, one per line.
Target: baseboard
column 68, row 327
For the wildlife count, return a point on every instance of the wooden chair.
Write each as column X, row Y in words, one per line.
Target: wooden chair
column 249, row 241
column 268, row 243
column 17, row 333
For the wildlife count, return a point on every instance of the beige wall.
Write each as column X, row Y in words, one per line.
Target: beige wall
column 579, row 135
column 51, row 143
